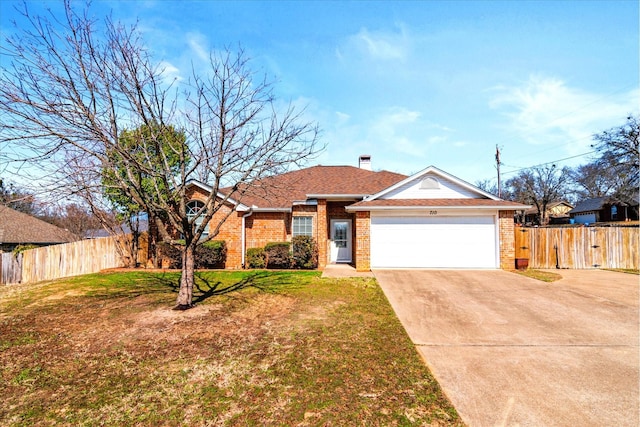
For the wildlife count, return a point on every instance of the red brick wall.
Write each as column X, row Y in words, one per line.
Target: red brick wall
column 322, row 233
column 264, row 227
column 507, row 240
column 363, row 241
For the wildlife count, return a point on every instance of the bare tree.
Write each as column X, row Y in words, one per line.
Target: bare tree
column 595, row 179
column 488, row 185
column 17, row 198
column 74, row 85
column 74, row 217
column 539, row 186
column 620, row 155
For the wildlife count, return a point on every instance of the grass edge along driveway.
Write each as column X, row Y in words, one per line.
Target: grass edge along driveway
column 260, row 348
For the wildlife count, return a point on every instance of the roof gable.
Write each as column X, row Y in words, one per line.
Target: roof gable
column 432, row 183
column 208, row 189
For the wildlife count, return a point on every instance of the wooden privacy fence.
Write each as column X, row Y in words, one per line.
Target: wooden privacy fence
column 10, row 268
column 70, row 259
column 578, row 247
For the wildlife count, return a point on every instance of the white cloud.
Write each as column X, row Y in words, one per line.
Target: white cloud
column 170, row 72
column 341, row 117
column 378, row 45
column 198, row 44
column 546, row 111
column 398, row 138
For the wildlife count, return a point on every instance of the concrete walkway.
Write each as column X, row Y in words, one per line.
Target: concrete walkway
column 513, row 351
column 343, row 271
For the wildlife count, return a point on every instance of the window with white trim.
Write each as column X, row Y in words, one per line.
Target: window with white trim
column 302, row 226
column 193, row 208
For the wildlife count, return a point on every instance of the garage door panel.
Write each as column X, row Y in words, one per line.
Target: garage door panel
column 433, row 242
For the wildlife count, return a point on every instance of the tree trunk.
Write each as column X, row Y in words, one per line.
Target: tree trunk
column 152, row 248
column 135, row 245
column 185, row 294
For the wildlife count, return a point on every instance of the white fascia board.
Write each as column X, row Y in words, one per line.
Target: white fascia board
column 257, row 209
column 434, row 207
column 441, row 173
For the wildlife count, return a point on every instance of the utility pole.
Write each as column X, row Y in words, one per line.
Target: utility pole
column 498, row 168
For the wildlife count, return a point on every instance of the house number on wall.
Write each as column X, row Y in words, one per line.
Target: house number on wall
column 433, row 212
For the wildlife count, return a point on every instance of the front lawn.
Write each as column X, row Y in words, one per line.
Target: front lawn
column 259, row 348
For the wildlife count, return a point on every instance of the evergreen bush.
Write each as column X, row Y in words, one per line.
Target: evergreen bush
column 256, row 258
column 278, row 255
column 304, row 252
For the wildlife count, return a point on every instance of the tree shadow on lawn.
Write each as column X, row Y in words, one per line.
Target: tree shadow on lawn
column 208, row 285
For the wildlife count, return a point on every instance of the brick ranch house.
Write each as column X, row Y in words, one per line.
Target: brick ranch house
column 372, row 219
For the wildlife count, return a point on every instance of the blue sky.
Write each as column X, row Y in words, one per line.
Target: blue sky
column 421, row 83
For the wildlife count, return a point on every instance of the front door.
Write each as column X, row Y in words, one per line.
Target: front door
column 340, row 240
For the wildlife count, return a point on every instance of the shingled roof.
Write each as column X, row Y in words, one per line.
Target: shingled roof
column 281, row 191
column 19, row 228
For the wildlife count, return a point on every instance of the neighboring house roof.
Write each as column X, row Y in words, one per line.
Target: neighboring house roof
column 20, row 228
column 589, row 205
column 331, row 182
column 550, row 206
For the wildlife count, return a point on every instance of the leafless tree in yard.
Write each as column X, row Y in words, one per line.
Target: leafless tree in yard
column 71, row 86
column 539, row 186
column 619, row 150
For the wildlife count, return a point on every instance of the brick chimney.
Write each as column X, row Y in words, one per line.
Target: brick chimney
column 365, row 162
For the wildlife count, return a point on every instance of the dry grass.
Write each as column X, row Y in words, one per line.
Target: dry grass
column 625, row 270
column 276, row 348
column 545, row 276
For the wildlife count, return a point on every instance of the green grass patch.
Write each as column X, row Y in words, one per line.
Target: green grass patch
column 259, row 348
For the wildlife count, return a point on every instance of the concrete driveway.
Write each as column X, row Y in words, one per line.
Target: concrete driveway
column 513, row 351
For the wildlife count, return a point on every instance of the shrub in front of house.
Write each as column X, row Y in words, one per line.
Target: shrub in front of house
column 212, row 254
column 278, row 255
column 304, row 252
column 256, row 258
column 170, row 256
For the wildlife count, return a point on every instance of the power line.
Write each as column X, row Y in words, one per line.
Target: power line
column 548, row 163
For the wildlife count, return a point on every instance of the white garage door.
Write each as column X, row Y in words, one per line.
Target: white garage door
column 433, row 242
column 588, row 218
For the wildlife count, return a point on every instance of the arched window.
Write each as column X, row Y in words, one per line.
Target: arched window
column 429, row 183
column 193, row 209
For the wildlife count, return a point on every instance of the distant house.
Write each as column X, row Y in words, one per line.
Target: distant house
column 557, row 213
column 17, row 228
column 604, row 209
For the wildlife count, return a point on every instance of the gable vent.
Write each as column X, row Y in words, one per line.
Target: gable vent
column 429, row 183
